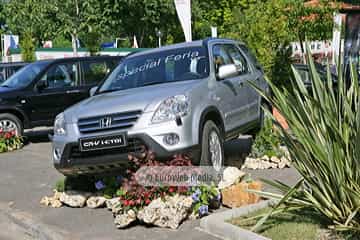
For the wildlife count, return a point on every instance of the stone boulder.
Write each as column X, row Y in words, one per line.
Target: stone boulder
column 95, row 202
column 125, row 219
column 231, row 175
column 74, row 198
column 53, row 201
column 168, row 213
column 237, row 195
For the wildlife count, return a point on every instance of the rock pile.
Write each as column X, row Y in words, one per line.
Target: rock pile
column 168, row 212
column 266, row 162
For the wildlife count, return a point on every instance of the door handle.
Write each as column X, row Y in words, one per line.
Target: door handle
column 72, row 91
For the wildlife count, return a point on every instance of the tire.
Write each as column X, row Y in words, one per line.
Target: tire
column 9, row 122
column 210, row 132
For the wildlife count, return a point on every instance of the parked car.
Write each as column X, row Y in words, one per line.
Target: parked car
column 35, row 94
column 188, row 97
column 304, row 72
column 8, row 69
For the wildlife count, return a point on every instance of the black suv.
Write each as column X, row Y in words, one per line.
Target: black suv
column 8, row 69
column 35, row 94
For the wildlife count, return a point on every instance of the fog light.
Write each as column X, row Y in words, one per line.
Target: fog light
column 171, row 139
column 57, row 154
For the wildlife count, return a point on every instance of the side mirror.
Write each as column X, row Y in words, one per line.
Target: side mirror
column 41, row 85
column 226, row 71
column 93, row 91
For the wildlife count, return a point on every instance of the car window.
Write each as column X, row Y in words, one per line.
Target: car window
column 221, row 57
column 157, row 67
column 13, row 70
column 238, row 59
column 250, row 55
column 2, row 74
column 62, row 75
column 94, row 72
column 25, row 75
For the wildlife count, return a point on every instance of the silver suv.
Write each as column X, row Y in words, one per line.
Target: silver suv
column 188, row 97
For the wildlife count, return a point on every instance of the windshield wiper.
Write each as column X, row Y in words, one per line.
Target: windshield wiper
column 153, row 83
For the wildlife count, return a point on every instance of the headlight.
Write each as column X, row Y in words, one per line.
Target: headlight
column 59, row 126
column 170, row 108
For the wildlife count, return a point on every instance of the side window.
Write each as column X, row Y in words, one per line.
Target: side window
column 62, row 75
column 2, row 74
column 94, row 72
column 238, row 59
column 221, row 56
column 250, row 55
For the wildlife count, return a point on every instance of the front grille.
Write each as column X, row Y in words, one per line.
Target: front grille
column 112, row 122
column 135, row 146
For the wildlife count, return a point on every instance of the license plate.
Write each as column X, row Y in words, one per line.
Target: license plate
column 102, row 142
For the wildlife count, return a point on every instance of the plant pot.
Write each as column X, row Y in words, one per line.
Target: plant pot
column 237, row 195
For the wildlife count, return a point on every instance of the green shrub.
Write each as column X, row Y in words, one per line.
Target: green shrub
column 28, row 47
column 325, row 133
column 267, row 141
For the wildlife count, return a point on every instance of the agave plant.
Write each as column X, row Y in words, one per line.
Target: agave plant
column 324, row 145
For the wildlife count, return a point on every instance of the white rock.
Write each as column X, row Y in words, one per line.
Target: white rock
column 116, row 208
column 74, row 198
column 169, row 213
column 53, row 201
column 230, row 176
column 95, row 202
column 111, row 202
column 123, row 220
column 265, row 158
column 275, row 159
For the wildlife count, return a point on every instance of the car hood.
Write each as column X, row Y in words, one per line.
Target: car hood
column 5, row 90
column 145, row 99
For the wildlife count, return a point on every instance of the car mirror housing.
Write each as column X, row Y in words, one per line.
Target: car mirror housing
column 226, row 71
column 42, row 84
column 93, row 91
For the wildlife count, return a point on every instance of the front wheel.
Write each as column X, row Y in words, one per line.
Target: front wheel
column 212, row 146
column 10, row 123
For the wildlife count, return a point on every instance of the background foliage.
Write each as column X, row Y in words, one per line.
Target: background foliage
column 267, row 26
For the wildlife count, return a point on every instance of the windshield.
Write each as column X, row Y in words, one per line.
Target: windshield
column 25, row 75
column 173, row 65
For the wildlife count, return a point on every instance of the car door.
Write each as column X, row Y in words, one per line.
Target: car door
column 233, row 90
column 256, row 77
column 54, row 92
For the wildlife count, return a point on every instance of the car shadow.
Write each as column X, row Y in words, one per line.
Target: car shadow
column 237, row 150
column 37, row 136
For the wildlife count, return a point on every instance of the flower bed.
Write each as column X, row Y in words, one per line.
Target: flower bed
column 9, row 141
column 130, row 202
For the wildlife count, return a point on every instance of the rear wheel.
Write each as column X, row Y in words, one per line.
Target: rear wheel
column 9, row 122
column 212, row 146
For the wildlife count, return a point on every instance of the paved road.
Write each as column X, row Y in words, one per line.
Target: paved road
column 27, row 175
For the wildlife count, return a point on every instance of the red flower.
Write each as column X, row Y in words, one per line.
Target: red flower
column 7, row 135
column 171, row 189
column 131, row 202
column 126, row 203
column 138, row 201
column 147, row 201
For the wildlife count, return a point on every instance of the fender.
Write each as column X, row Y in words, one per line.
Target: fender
column 210, row 109
column 17, row 112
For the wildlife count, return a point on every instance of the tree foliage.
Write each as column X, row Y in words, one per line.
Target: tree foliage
column 27, row 47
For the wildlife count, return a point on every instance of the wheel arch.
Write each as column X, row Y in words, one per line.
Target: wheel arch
column 18, row 113
column 213, row 114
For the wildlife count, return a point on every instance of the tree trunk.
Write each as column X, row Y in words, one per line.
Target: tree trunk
column 74, row 44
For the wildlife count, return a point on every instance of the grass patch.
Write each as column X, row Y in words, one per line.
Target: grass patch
column 292, row 225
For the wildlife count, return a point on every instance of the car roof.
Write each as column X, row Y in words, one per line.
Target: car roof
column 11, row 64
column 196, row 43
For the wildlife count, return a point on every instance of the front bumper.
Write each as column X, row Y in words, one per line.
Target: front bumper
column 71, row 161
